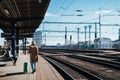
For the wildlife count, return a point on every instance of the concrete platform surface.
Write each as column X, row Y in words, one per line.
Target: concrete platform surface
column 44, row 70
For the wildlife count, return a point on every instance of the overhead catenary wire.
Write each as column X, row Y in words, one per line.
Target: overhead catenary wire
column 105, row 4
column 65, row 9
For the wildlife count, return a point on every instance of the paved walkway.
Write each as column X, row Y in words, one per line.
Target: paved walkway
column 44, row 70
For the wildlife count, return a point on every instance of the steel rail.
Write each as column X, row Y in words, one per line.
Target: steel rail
column 114, row 65
column 87, row 74
column 65, row 75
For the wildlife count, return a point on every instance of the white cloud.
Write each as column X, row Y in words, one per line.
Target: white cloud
column 50, row 15
column 104, row 11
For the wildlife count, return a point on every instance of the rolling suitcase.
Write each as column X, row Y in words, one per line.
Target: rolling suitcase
column 25, row 67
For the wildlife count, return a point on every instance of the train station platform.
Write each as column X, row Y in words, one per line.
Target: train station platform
column 44, row 70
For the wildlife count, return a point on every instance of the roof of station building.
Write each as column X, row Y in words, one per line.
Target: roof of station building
column 26, row 15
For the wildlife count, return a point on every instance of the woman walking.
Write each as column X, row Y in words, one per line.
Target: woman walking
column 33, row 51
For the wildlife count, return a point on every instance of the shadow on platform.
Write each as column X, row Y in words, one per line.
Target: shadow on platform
column 2, row 65
column 12, row 74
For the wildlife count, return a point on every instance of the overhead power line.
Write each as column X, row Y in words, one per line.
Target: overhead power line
column 80, row 23
column 70, row 22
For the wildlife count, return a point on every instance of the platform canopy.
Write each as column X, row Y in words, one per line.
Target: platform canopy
column 24, row 15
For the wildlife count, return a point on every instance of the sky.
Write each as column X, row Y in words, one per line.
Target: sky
column 66, row 11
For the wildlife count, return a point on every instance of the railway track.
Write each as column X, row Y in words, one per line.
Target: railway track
column 112, row 64
column 106, row 72
column 70, row 71
column 108, row 63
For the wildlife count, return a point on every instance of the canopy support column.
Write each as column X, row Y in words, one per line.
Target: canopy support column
column 17, row 41
column 13, row 37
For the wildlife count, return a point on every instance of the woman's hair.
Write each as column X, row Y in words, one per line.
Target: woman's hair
column 33, row 43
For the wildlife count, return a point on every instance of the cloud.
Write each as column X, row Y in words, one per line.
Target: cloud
column 104, row 11
column 50, row 15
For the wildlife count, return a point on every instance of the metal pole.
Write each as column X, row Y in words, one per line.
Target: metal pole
column 70, row 40
column 85, row 35
column 100, row 27
column 78, row 31
column 119, row 39
column 65, row 36
column 95, row 35
column 95, row 30
column 89, row 35
column 45, row 38
column 43, row 33
column 17, row 42
column 13, row 37
column 25, row 44
column 119, row 34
